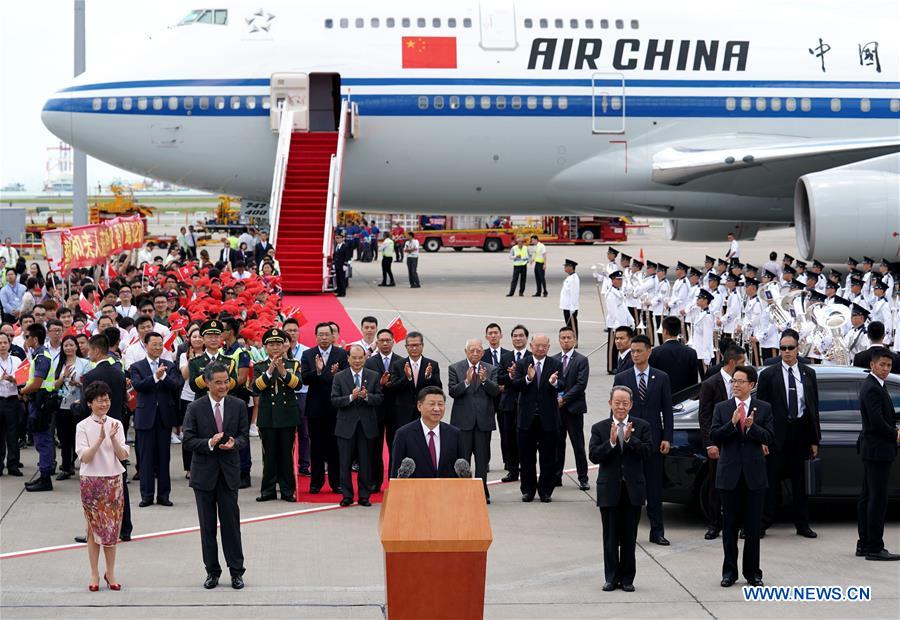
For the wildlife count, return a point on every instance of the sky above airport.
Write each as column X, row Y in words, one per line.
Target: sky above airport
column 36, row 59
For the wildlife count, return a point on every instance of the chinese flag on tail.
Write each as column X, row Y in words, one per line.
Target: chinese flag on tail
column 398, row 329
column 150, row 271
column 429, row 52
column 22, row 372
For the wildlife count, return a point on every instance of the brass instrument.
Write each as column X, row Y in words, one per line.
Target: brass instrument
column 770, row 296
column 834, row 318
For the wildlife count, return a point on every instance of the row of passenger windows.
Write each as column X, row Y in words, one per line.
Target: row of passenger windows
column 501, row 102
column 589, row 24
column 775, row 104
column 405, row 22
column 234, row 102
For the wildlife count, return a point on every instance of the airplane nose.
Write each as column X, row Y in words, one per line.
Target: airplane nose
column 57, row 118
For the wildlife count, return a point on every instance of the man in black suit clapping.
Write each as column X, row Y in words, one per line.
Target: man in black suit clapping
column 216, row 427
column 652, row 403
column 877, row 446
column 572, row 406
column 677, row 360
column 620, row 445
column 742, row 427
column 382, row 362
column 411, row 375
column 434, row 446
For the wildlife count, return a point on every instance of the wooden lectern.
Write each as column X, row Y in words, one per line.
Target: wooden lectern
column 436, row 531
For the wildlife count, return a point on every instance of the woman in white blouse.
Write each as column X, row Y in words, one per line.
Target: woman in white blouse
column 69, row 369
column 100, row 444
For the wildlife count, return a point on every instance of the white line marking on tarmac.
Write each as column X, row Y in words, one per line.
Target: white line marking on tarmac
column 473, row 316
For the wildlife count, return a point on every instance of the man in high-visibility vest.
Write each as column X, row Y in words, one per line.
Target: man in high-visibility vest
column 539, row 258
column 41, row 383
column 518, row 254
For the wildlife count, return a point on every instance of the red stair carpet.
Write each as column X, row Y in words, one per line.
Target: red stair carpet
column 325, row 496
column 319, row 308
column 302, row 220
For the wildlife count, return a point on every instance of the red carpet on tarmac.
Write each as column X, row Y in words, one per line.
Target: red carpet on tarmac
column 325, row 496
column 319, row 308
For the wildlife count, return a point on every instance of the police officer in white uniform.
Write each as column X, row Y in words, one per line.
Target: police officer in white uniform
column 569, row 294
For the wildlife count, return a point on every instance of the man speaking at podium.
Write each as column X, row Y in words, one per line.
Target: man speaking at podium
column 433, row 446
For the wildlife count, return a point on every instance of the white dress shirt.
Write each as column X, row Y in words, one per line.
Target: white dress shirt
column 737, row 403
column 437, row 438
column 212, row 403
column 727, row 379
column 616, row 424
column 798, row 379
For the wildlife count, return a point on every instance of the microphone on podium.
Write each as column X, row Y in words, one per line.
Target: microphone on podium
column 462, row 468
column 407, row 468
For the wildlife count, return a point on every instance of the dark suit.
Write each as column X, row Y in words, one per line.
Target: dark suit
column 504, row 359
column 621, row 491
column 508, row 412
column 777, row 360
column 260, row 251
column 656, row 409
column 408, row 391
column 356, row 427
column 621, row 363
column 156, row 414
column 473, row 413
column 742, row 479
column 677, row 360
column 877, row 447
column 113, row 377
column 792, row 439
column 320, row 416
column 571, row 413
column 339, row 259
column 227, row 255
column 410, row 442
column 864, row 358
column 216, row 477
column 712, row 392
column 538, row 424
column 385, row 414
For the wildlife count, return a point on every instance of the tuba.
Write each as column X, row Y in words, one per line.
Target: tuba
column 808, row 327
column 770, row 296
column 834, row 318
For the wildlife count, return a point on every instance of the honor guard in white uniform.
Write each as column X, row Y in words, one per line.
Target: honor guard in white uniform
column 702, row 335
column 617, row 314
column 867, row 264
column 750, row 321
column 732, row 307
column 708, row 263
column 801, row 274
column 852, row 264
column 690, row 309
column 881, row 311
column 819, row 339
column 856, row 336
column 633, row 289
column 817, row 268
column 831, row 291
column 734, row 248
column 856, row 292
column 679, row 292
column 660, row 298
column 884, row 269
column 787, row 278
column 611, row 265
column 647, row 291
column 569, row 295
column 715, row 289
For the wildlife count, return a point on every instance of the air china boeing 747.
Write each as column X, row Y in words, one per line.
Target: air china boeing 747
column 713, row 115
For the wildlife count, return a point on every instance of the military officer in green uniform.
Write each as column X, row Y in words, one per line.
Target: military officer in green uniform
column 274, row 383
column 212, row 339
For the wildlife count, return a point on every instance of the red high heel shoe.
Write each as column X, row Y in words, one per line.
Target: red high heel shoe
column 94, row 587
column 115, row 587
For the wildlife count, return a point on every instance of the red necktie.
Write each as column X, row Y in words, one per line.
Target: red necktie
column 217, row 414
column 743, row 416
column 432, row 449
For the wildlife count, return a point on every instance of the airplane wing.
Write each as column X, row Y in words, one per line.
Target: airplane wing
column 758, row 165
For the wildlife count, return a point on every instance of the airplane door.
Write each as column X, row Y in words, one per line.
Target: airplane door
column 498, row 25
column 292, row 89
column 608, row 103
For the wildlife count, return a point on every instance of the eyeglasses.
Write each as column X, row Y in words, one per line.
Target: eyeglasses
column 788, row 347
column 733, row 381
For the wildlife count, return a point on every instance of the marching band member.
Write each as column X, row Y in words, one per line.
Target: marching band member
column 617, row 314
column 787, row 277
column 633, row 290
column 748, row 326
column 856, row 295
column 702, row 336
column 831, row 291
column 732, row 307
column 856, row 337
column 884, row 269
column 708, row 264
column 647, row 291
column 660, row 297
column 801, row 274
column 881, row 310
column 866, row 266
column 679, row 292
column 852, row 265
column 689, row 311
column 820, row 278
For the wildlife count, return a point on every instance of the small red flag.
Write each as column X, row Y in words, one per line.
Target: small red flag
column 71, row 331
column 150, row 271
column 184, row 272
column 86, row 307
column 398, row 329
column 429, row 52
column 22, row 372
column 168, row 344
column 297, row 314
column 177, row 322
column 110, row 271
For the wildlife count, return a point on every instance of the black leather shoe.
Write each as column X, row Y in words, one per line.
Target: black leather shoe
column 546, row 499
column 711, row 533
column 164, row 502
column 807, row 532
column 527, row 497
column 536, row 295
column 41, row 484
column 15, row 472
column 304, row 471
column 726, row 582
column 266, row 498
column 144, row 503
column 314, row 490
column 884, row 556
column 63, row 475
column 125, row 537
column 609, row 586
column 83, row 540
column 660, row 540
column 346, row 501
column 509, row 478
column 509, row 294
column 211, row 581
column 289, row 497
column 584, row 486
column 755, row 581
column 365, row 502
column 860, row 553
column 245, row 480
column 627, row 587
column 237, row 582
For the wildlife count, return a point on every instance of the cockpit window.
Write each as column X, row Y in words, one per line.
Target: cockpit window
column 218, row 17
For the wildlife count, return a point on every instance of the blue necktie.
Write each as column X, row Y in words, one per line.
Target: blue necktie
column 356, row 380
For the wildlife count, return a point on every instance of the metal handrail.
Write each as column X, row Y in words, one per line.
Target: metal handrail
column 282, row 154
column 334, row 192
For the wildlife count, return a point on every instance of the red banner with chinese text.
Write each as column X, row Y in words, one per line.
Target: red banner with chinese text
column 86, row 246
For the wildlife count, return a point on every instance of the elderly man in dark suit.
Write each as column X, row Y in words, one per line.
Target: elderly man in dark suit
column 355, row 393
column 158, row 385
column 677, row 360
column 742, row 427
column 318, row 366
column 620, row 445
column 791, row 388
column 538, row 384
column 411, row 375
column 473, row 386
column 712, row 392
column 572, row 406
column 652, row 403
column 383, row 361
column 216, row 427
column 877, row 446
column 433, row 445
